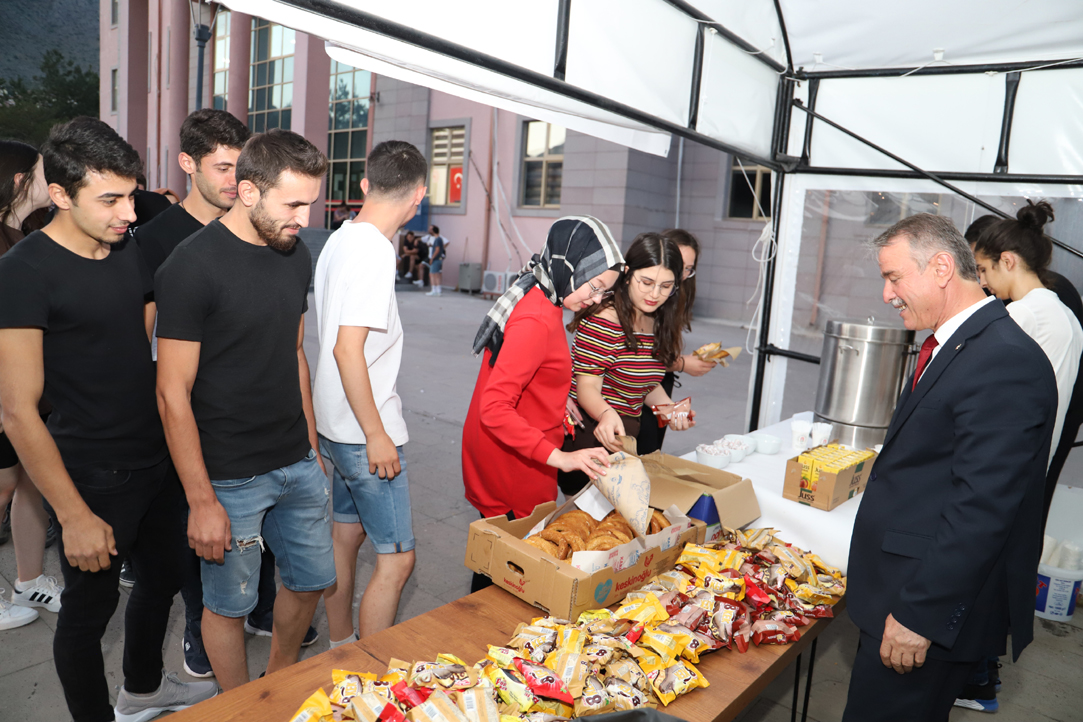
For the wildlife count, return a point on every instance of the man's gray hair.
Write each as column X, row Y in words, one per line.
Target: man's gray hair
column 928, row 235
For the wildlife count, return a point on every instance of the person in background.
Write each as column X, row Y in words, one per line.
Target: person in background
column 1073, row 417
column 341, row 215
column 358, row 410
column 411, row 252
column 946, row 541
column 101, row 463
column 514, row 427
column 22, row 191
column 437, row 254
column 147, row 203
column 1013, row 258
column 651, row 435
column 622, row 349
column 235, row 399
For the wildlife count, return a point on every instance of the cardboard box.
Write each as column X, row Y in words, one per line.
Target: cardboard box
column 495, row 546
column 832, row 489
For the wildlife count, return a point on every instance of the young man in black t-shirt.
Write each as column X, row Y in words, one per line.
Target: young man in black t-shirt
column 236, row 402
column 72, row 328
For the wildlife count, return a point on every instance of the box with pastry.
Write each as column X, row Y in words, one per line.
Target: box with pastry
column 826, row 476
column 609, row 539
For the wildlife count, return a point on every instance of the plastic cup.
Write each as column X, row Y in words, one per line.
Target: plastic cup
column 800, row 430
column 820, row 434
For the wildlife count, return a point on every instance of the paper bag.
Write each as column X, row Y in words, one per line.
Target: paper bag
column 628, row 488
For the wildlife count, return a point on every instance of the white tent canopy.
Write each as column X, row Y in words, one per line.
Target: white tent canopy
column 980, row 94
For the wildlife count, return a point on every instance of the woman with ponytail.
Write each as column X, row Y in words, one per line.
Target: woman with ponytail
column 1013, row 259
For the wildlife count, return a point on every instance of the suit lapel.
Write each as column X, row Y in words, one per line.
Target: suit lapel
column 910, row 399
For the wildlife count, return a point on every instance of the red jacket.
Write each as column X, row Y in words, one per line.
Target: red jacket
column 517, row 411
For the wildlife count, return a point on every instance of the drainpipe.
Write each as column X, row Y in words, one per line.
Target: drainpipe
column 489, row 195
column 680, row 165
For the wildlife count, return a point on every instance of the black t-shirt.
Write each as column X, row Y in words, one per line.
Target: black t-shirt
column 163, row 233
column 244, row 304
column 149, row 204
column 99, row 376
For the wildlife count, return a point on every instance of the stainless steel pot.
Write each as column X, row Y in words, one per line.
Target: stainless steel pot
column 862, row 369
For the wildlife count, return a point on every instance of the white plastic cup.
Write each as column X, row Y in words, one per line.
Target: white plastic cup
column 800, row 430
column 821, row 433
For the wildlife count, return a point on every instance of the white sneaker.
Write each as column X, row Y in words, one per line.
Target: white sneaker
column 42, row 592
column 172, row 696
column 419, row 282
column 409, row 276
column 12, row 616
column 433, row 292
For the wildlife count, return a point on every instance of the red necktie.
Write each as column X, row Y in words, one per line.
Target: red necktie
column 923, row 357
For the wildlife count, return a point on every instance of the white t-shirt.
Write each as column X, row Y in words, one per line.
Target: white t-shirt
column 355, row 286
column 1052, row 324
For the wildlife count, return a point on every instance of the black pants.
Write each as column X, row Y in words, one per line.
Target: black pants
column 146, row 509
column 880, row 694
column 1064, row 447
column 192, row 591
column 650, row 435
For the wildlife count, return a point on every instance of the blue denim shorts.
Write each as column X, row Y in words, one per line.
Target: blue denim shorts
column 437, row 266
column 381, row 506
column 289, row 509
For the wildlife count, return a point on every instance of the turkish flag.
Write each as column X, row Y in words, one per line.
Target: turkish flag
column 455, row 189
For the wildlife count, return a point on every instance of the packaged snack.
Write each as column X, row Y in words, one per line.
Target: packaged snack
column 697, row 556
column 691, row 615
column 477, row 704
column 573, row 668
column 397, row 671
column 316, row 708
column 625, row 696
column 592, row 615
column 437, row 708
column 793, row 561
column 668, row 644
column 551, row 708
column 700, row 644
column 502, row 656
column 347, row 685
column 643, row 610
column 831, row 585
column 767, row 631
column 674, row 579
column 571, row 639
column 754, row 538
column 598, row 653
column 410, row 697
column 723, row 585
column 808, row 593
column 672, row 601
column 611, row 627
column 543, row 682
column 368, row 707
column 550, row 622
column 450, row 675
column 630, row 672
column 755, row 593
column 535, row 642
column 677, row 679
column 595, row 699
column 510, row 690
column 650, row 661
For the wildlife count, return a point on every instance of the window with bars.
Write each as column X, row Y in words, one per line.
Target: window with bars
column 114, row 90
column 221, row 59
column 543, row 164
column 114, row 12
column 347, row 136
column 748, row 195
column 270, row 100
column 447, row 148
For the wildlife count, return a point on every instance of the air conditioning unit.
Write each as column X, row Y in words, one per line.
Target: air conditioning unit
column 497, row 282
column 469, row 277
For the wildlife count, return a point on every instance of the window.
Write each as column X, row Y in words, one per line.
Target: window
column 347, row 135
column 221, row 59
column 746, row 202
column 270, row 100
column 543, row 164
column 114, row 12
column 114, row 90
column 446, row 174
column 887, row 209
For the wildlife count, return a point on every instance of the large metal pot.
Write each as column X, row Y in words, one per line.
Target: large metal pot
column 862, row 369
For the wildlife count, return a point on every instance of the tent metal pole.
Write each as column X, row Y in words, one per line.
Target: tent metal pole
column 564, row 14
column 802, row 74
column 764, row 344
column 806, row 147
column 946, row 175
column 926, row 174
column 374, row 23
column 706, row 20
column 785, row 36
column 1011, row 89
column 697, row 79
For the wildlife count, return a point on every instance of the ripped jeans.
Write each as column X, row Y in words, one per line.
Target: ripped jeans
column 289, row 510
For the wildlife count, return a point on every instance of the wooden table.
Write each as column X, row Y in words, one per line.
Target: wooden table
column 464, row 628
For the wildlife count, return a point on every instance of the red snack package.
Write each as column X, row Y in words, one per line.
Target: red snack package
column 768, row 631
column 633, row 634
column 543, row 681
column 755, row 593
column 690, row 616
column 673, row 601
column 410, row 697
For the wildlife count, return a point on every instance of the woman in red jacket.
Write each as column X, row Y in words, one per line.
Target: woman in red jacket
column 514, row 430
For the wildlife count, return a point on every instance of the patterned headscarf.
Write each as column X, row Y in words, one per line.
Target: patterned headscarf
column 577, row 249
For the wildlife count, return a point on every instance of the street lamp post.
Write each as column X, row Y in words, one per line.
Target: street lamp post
column 202, row 34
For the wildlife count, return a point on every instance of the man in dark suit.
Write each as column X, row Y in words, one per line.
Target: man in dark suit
column 946, row 543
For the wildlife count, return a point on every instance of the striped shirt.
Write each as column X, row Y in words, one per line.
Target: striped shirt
column 600, row 349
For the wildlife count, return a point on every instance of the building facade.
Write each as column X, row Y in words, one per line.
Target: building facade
column 497, row 179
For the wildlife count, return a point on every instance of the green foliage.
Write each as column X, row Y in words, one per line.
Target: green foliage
column 60, row 92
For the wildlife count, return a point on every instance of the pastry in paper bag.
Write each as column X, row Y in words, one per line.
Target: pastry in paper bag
column 627, row 487
column 715, row 352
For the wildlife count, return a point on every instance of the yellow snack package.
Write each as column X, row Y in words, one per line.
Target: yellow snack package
column 348, row 685
column 650, row 662
column 668, row 645
column 643, row 610
column 592, row 614
column 370, row 707
column 696, row 556
column 573, row 668
column 724, row 586
column 625, row 696
column 437, row 708
column 510, row 689
column 599, row 654
column 808, row 593
column 595, row 699
column 549, row 622
column 571, row 639
column 630, row 672
column 397, row 671
column 679, row 678
column 378, row 688
column 755, row 538
column 553, row 707
column 793, row 561
column 503, row 656
column 449, row 675
column 818, row 563
column 316, row 708
column 477, row 704
column 674, row 580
